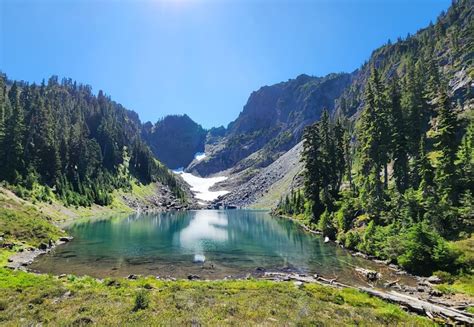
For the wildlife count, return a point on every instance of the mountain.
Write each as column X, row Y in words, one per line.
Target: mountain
column 395, row 178
column 175, row 139
column 58, row 137
column 441, row 54
column 271, row 123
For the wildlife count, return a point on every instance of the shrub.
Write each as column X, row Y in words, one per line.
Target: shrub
column 326, row 225
column 141, row 300
column 352, row 239
column 425, row 251
column 347, row 212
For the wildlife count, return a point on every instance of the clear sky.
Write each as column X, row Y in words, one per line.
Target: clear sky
column 203, row 58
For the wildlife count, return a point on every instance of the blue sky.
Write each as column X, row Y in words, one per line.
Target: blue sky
column 203, row 58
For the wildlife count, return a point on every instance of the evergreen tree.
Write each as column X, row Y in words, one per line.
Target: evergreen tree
column 13, row 163
column 412, row 104
column 399, row 147
column 465, row 160
column 369, row 139
column 446, row 144
column 312, row 172
column 339, row 154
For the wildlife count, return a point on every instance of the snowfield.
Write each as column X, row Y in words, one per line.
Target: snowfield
column 200, row 186
column 199, row 156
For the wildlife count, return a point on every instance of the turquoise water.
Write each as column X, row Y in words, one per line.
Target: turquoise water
column 209, row 243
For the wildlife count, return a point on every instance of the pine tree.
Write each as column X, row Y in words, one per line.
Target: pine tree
column 423, row 174
column 445, row 176
column 399, row 146
column 12, row 162
column 412, row 104
column 465, row 160
column 339, row 153
column 369, row 138
column 327, row 159
column 46, row 156
column 312, row 173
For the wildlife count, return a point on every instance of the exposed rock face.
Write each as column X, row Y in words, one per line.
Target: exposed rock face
column 271, row 183
column 433, row 43
column 175, row 140
column 271, row 123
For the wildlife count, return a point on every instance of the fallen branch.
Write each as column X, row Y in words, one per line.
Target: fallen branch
column 391, row 283
column 422, row 307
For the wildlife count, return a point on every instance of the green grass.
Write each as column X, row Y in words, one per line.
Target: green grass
column 23, row 224
column 29, row 299
column 462, row 284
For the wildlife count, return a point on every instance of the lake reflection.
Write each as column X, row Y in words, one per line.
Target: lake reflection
column 232, row 242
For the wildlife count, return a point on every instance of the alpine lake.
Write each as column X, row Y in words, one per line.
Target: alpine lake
column 213, row 244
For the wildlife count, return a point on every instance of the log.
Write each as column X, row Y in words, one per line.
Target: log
column 410, row 303
column 422, row 307
column 391, row 283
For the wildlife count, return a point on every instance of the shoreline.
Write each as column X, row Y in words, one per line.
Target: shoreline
column 353, row 253
column 424, row 295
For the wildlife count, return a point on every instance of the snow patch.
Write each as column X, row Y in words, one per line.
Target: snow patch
column 200, row 186
column 199, row 156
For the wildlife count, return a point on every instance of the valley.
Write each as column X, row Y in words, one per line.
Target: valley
column 347, row 196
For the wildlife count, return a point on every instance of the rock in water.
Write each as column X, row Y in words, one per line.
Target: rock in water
column 198, row 258
column 326, row 239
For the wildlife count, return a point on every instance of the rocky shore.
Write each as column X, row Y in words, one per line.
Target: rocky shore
column 162, row 199
column 24, row 257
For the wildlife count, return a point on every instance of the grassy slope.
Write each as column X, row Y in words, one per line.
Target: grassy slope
column 27, row 298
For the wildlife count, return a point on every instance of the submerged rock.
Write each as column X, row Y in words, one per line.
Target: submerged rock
column 199, row 258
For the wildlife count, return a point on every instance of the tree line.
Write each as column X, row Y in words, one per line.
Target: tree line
column 391, row 172
column 58, row 138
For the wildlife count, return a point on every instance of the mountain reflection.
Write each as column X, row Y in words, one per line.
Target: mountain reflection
column 204, row 225
column 232, row 242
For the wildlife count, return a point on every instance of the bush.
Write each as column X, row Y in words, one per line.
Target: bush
column 425, row 251
column 347, row 212
column 352, row 240
column 326, row 225
column 141, row 300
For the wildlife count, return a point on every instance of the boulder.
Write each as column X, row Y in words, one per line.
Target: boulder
column 434, row 280
column 43, row 246
column 436, row 293
column 193, row 277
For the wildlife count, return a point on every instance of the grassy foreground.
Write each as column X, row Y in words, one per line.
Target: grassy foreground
column 29, row 299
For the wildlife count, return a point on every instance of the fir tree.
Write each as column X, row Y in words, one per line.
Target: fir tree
column 445, row 176
column 13, row 147
column 312, row 172
column 399, row 147
column 369, row 138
